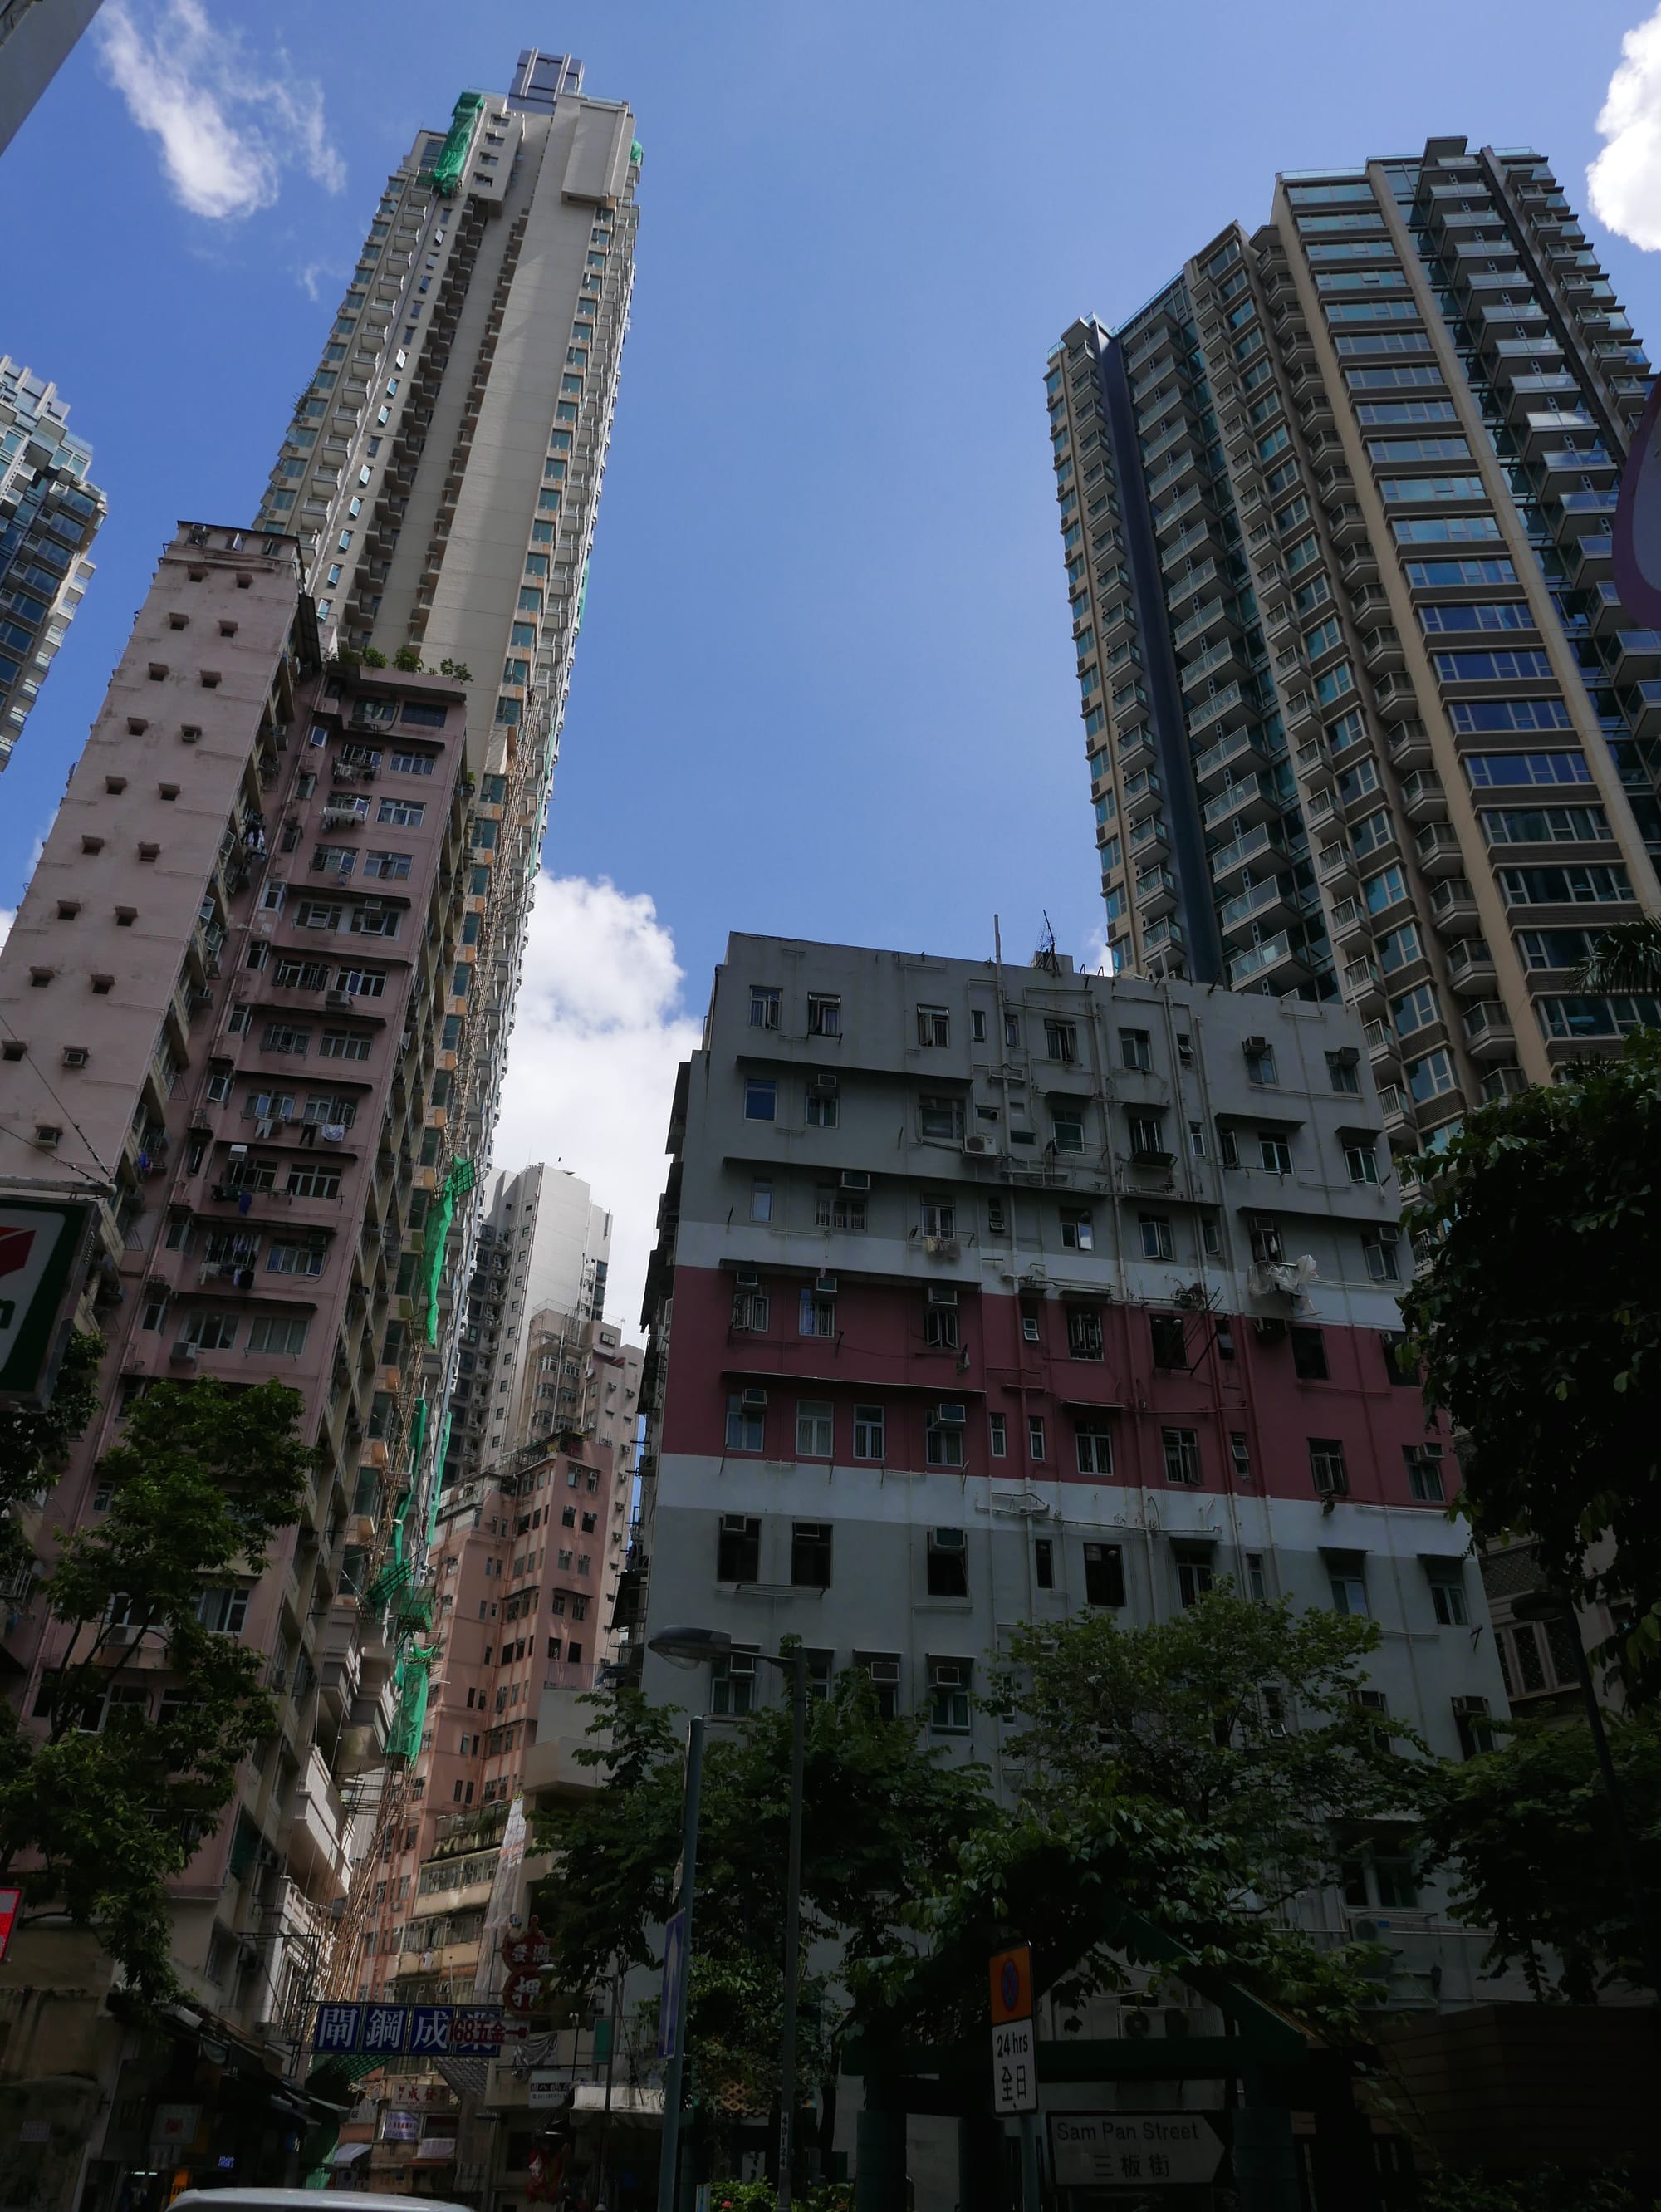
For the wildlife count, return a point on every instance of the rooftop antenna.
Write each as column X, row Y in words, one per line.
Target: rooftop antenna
column 1045, row 957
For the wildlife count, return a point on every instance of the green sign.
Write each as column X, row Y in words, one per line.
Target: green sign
column 39, row 1239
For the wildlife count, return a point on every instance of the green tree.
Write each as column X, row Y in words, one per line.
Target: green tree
column 113, row 1796
column 1525, row 1832
column 34, row 1442
column 1199, row 1771
column 882, row 1818
column 1625, row 958
column 1538, row 1318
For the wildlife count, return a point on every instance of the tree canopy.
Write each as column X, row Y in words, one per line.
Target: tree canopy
column 117, row 1793
column 1538, row 1318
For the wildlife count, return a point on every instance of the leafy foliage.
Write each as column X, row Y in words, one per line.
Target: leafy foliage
column 1547, row 2190
column 881, row 1818
column 1538, row 1320
column 1626, row 957
column 114, row 1799
column 34, row 1444
column 1526, row 1830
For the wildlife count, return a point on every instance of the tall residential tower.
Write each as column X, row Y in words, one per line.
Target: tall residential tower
column 48, row 514
column 1363, row 713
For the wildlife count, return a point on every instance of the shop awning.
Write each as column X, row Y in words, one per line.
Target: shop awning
column 349, row 2154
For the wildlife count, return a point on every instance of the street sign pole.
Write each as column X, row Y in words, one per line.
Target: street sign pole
column 1015, row 2059
column 1030, row 2201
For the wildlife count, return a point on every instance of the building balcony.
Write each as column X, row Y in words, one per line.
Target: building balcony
column 1276, row 962
column 1240, row 805
column 1424, row 798
column 1452, row 907
column 1239, row 749
column 1384, row 1047
column 1351, row 923
column 1643, row 705
column 1437, row 850
column 1223, row 710
column 1336, row 867
column 1408, row 746
column 1226, row 654
column 1583, row 513
column 1381, row 650
column 1363, row 988
column 1471, row 964
column 317, row 1837
column 1148, row 837
column 1155, row 892
column 1488, row 1031
column 1217, row 619
column 1358, row 563
column 1394, row 697
column 1637, row 656
column 1263, row 905
column 1502, row 1083
column 1587, row 557
column 1230, row 860
column 1143, row 794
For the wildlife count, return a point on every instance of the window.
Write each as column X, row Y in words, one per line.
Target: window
column 763, row 1007
column 1379, row 1255
column 1447, row 1594
column 1155, row 1230
column 1424, row 1473
column 1104, row 1574
column 1403, row 1373
column 822, row 1103
column 934, row 1025
column 744, row 1424
column 1475, row 1724
column 1260, row 1063
column 1084, row 1338
column 883, row 1668
column 1267, row 1250
column 1309, row 1355
column 1043, row 1564
column 824, row 1015
column 1136, row 1050
column 818, row 1315
column 1029, row 1323
column 1362, row 1162
column 761, row 1199
column 760, row 1099
column 940, row 1117
column 1094, row 1442
column 1195, row 1572
column 814, row 1430
column 1146, row 1137
column 948, row 1566
column 948, row 1696
column 942, row 1438
column 940, row 1331
column 1061, row 1041
column 1346, row 1574
column 834, row 1208
column 869, row 1432
column 1228, row 1150
column 1182, row 1459
column 1170, row 1348
column 1035, row 1438
column 1067, row 1129
column 1327, row 1469
column 738, row 1549
column 222, row 1611
column 1275, row 1153
column 1196, row 1139
column 1078, row 1233
column 732, row 1682
column 749, row 1311
column 810, row 1554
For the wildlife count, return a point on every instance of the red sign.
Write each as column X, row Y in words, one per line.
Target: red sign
column 1012, row 1985
column 10, row 1900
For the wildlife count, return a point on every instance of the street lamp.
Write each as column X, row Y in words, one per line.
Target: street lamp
column 693, row 1647
column 1549, row 1605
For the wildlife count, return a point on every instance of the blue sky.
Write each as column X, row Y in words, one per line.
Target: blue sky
column 825, row 685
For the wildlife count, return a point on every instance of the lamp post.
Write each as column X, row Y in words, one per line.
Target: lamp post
column 692, row 1647
column 1549, row 1605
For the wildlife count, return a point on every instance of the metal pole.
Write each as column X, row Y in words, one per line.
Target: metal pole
column 669, row 2156
column 1030, row 2197
column 611, row 2062
column 799, row 1694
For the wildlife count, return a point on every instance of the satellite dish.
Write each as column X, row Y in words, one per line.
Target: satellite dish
column 1637, row 519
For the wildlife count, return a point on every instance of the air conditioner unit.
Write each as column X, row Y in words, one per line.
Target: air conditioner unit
column 825, row 1285
column 884, row 1672
column 238, row 1151
column 856, row 1179
column 822, row 1083
column 340, row 1000
column 948, row 1540
column 942, row 1294
column 183, row 1351
column 949, row 1417
column 755, row 1399
column 75, row 1055
column 980, row 1148
column 747, row 1279
column 1254, row 1044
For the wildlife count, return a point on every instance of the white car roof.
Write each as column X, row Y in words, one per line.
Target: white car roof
column 232, row 2197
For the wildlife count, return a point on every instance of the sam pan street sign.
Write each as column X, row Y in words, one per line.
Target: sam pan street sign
column 1110, row 2150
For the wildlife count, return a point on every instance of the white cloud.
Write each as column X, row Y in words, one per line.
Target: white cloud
column 8, row 915
column 230, row 124
column 599, row 1030
column 1624, row 182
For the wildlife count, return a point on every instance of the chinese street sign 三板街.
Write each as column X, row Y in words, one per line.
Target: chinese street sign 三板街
column 1106, row 2150
column 393, row 2031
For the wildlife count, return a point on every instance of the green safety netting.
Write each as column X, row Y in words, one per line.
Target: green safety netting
column 636, row 152
column 445, row 173
column 439, row 1458
column 457, row 1184
column 403, row 1740
column 394, row 1577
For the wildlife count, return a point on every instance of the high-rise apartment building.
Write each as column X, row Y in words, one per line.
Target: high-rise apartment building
column 1364, row 716
column 225, row 1000
column 50, row 511
column 543, row 1243
column 36, row 37
column 443, row 468
column 990, row 1295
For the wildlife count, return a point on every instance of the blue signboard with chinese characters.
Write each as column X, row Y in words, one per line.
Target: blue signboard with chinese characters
column 393, row 2031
